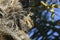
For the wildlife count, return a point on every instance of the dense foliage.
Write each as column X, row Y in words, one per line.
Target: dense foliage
column 46, row 20
column 40, row 19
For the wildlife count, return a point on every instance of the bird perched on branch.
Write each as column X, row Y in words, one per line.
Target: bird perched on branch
column 14, row 18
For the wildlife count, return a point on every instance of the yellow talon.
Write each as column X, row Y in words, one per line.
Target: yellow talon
column 48, row 7
column 51, row 10
column 53, row 5
column 52, row 15
column 43, row 3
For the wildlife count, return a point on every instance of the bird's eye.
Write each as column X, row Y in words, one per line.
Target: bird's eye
column 1, row 15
